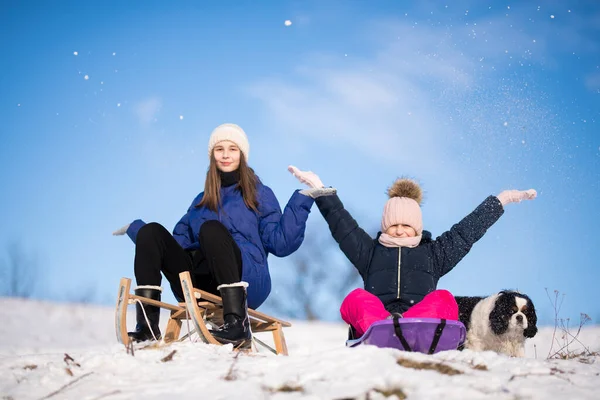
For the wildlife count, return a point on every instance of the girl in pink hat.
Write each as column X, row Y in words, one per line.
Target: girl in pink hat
column 402, row 265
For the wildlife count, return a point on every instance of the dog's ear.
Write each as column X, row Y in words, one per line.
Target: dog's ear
column 500, row 315
column 531, row 316
column 530, row 331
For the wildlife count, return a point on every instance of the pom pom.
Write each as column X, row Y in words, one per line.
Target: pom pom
column 405, row 187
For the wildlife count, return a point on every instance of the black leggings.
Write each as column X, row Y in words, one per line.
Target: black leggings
column 217, row 262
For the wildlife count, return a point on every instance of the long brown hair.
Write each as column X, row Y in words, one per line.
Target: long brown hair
column 212, row 186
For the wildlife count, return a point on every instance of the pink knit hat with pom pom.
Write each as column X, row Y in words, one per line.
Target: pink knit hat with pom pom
column 403, row 207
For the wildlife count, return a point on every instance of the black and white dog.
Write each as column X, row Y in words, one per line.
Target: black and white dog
column 500, row 322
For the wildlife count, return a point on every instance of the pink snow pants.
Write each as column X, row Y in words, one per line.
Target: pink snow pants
column 361, row 308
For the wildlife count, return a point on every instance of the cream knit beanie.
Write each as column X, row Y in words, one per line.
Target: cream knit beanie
column 231, row 132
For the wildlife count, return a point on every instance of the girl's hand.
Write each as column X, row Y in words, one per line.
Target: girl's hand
column 121, row 231
column 516, row 196
column 309, row 178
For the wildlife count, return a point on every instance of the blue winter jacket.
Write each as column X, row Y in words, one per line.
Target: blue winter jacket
column 256, row 234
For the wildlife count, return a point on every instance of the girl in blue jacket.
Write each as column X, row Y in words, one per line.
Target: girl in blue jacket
column 223, row 240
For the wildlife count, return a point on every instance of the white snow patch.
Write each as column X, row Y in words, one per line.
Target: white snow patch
column 38, row 336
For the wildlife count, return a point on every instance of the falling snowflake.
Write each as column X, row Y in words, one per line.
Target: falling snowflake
column 86, row 77
column 505, row 123
column 552, row 16
column 118, row 104
column 75, row 53
column 287, row 22
column 181, row 117
column 114, row 54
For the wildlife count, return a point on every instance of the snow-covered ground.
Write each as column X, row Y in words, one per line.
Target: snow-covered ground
column 69, row 351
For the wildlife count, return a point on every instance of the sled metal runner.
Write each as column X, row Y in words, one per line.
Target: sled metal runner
column 203, row 309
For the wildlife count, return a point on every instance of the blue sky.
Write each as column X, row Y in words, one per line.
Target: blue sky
column 106, row 109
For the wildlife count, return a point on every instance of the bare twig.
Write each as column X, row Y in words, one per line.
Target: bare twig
column 65, row 386
column 70, row 361
column 230, row 374
column 129, row 348
column 553, row 372
column 568, row 338
column 556, row 307
column 169, row 356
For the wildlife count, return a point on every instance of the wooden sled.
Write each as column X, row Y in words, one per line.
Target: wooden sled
column 201, row 308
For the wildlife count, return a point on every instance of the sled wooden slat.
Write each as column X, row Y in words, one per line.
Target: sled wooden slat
column 179, row 314
column 173, row 330
column 121, row 311
column 151, row 302
column 280, row 344
column 208, row 305
column 259, row 326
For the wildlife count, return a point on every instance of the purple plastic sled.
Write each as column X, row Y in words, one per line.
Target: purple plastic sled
column 424, row 335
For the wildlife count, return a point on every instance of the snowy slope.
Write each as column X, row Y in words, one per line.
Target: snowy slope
column 36, row 336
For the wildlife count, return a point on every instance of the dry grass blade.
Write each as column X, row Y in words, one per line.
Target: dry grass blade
column 391, row 392
column 439, row 367
column 553, row 372
column 231, row 373
column 129, row 348
column 288, row 388
column 70, row 361
column 169, row 356
column 65, row 386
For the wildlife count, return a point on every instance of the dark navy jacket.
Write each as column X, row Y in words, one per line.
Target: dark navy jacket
column 401, row 277
column 256, row 234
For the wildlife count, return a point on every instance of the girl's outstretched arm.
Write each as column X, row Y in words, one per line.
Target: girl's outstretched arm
column 282, row 233
column 354, row 242
column 451, row 246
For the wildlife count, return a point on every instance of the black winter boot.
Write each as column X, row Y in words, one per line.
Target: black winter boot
column 236, row 327
column 142, row 331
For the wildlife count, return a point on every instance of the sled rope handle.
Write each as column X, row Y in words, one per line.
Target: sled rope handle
column 437, row 335
column 146, row 318
column 398, row 331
